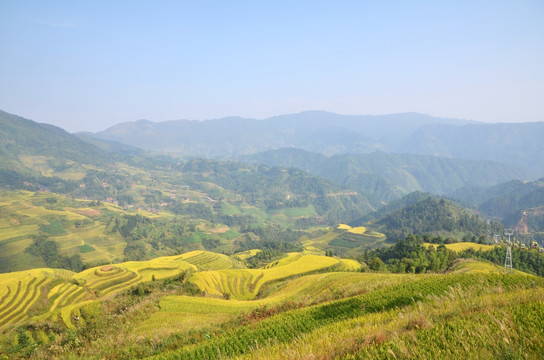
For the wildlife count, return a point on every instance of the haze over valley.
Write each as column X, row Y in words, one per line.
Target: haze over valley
column 284, row 180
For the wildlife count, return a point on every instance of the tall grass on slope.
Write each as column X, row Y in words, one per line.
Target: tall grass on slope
column 289, row 326
column 479, row 322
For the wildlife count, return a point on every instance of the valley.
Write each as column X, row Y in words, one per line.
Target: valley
column 108, row 251
column 258, row 180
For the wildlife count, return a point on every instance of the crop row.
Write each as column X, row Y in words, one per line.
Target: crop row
column 107, row 273
column 120, row 284
column 101, row 282
column 210, row 261
column 69, row 294
column 110, row 284
column 245, row 284
column 289, row 325
column 12, row 299
column 60, row 292
column 239, row 284
column 16, row 308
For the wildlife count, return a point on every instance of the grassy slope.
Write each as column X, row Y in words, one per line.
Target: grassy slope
column 322, row 315
column 398, row 320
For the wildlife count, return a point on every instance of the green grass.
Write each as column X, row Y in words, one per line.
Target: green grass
column 397, row 307
column 230, row 234
column 54, row 228
column 86, row 248
column 296, row 211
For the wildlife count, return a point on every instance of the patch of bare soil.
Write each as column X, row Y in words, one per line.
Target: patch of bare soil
column 89, row 212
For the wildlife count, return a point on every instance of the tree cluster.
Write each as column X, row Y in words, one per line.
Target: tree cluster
column 409, row 255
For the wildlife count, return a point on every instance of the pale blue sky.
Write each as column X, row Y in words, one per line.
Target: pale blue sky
column 89, row 65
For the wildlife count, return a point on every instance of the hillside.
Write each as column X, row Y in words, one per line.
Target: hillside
column 316, row 131
column 390, row 176
column 518, row 144
column 20, row 137
column 39, row 229
column 434, row 216
column 278, row 189
column 54, row 294
column 518, row 204
column 154, row 310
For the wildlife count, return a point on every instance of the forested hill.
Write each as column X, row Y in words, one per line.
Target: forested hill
column 434, row 216
column 317, row 131
column 396, row 205
column 516, row 143
column 20, row 137
column 390, row 176
column 277, row 188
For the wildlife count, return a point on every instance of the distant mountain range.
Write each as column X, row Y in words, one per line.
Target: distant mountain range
column 330, row 134
column 513, row 143
column 317, row 131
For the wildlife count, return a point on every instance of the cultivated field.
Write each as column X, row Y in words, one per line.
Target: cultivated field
column 460, row 246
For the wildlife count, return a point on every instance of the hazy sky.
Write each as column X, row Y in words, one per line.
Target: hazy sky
column 86, row 65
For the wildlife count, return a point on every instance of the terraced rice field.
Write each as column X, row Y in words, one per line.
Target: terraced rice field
column 358, row 230
column 461, row 246
column 107, row 280
column 245, row 284
column 348, row 265
column 318, row 245
column 473, row 266
column 68, row 292
column 205, row 260
column 345, row 240
column 70, row 223
column 18, row 292
column 247, row 254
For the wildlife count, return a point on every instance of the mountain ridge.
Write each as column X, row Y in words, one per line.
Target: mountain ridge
column 397, row 174
column 317, row 131
column 513, row 143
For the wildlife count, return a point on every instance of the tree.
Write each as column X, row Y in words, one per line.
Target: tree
column 376, row 264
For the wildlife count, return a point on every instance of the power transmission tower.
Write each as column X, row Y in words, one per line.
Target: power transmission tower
column 496, row 237
column 509, row 233
column 508, row 260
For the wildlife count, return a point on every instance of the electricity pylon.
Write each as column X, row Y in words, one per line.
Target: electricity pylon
column 508, row 260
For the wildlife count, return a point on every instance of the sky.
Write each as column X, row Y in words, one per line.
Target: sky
column 87, row 65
